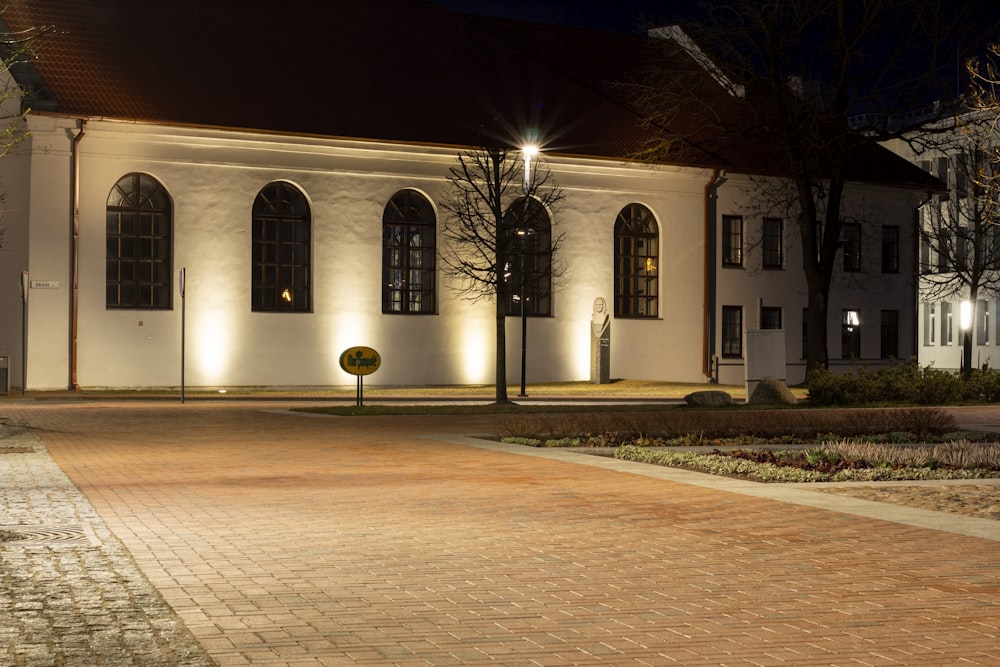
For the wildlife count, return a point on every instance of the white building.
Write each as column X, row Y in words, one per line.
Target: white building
column 959, row 249
column 273, row 153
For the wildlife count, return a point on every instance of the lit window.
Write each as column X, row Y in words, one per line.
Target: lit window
column 281, row 250
column 636, row 257
column 850, row 335
column 138, row 263
column 408, row 254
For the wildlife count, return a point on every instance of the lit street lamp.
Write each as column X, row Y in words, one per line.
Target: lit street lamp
column 527, row 153
column 965, row 325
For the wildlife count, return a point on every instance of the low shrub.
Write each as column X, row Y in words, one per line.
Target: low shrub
column 702, row 427
column 901, row 383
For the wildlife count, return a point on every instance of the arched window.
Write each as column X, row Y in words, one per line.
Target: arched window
column 532, row 244
column 139, row 244
column 281, row 250
column 636, row 278
column 408, row 254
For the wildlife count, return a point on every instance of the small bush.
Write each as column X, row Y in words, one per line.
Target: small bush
column 901, row 383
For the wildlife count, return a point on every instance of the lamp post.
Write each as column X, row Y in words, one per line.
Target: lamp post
column 527, row 153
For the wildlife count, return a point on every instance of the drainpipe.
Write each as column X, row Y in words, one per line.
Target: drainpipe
column 708, row 341
column 74, row 315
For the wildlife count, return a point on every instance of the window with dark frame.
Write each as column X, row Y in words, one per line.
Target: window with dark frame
column 851, row 244
column 850, row 335
column 139, row 244
column 773, row 242
column 408, row 254
column 732, row 241
column 732, row 332
column 636, row 256
column 890, row 334
column 770, row 317
column 534, row 240
column 890, row 249
column 281, row 250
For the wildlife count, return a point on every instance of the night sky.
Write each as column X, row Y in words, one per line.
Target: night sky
column 613, row 15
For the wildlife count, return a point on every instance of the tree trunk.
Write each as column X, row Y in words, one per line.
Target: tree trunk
column 501, row 370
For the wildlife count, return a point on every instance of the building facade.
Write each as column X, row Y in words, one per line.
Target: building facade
column 296, row 244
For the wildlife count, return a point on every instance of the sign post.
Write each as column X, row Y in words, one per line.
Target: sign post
column 360, row 361
column 180, row 286
column 24, row 331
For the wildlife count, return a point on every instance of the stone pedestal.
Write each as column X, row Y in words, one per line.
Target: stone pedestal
column 600, row 343
column 600, row 357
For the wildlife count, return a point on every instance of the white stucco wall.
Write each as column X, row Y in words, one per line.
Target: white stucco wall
column 213, row 177
column 868, row 291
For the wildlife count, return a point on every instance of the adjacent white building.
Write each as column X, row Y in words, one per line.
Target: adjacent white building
column 959, row 247
column 279, row 163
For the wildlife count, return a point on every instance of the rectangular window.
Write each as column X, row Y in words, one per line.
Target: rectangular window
column 944, row 242
column 946, row 324
column 890, row 334
column 930, row 323
column 732, row 331
column 851, row 243
column 773, row 242
column 982, row 322
column 890, row 249
column 770, row 317
column 732, row 241
column 850, row 335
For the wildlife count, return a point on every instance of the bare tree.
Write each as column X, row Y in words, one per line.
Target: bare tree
column 498, row 244
column 15, row 55
column 960, row 229
column 776, row 95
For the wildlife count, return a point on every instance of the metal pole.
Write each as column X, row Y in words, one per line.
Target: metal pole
column 182, row 287
column 24, row 332
column 527, row 152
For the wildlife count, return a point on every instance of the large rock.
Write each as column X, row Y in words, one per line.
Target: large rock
column 710, row 399
column 772, row 392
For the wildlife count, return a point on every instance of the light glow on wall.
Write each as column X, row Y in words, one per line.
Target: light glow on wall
column 476, row 342
column 211, row 345
column 349, row 330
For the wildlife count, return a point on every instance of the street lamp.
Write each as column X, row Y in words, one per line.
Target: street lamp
column 527, row 152
column 965, row 325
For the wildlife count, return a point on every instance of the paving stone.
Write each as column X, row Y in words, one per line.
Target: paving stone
column 282, row 540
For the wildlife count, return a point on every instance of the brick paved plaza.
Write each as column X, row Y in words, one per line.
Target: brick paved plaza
column 285, row 539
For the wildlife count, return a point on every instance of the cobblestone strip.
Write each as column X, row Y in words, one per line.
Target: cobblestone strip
column 70, row 594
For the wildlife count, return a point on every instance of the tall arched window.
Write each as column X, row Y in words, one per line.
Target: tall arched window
column 408, row 252
column 533, row 244
column 139, row 244
column 636, row 277
column 281, row 250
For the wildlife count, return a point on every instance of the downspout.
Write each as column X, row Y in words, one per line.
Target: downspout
column 708, row 340
column 74, row 315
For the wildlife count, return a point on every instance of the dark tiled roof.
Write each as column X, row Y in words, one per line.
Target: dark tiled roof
column 395, row 70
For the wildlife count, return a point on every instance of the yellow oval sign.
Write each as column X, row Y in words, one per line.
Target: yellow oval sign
column 360, row 360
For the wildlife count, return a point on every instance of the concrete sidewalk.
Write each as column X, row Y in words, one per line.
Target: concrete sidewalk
column 279, row 538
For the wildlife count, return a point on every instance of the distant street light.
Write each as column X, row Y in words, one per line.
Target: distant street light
column 527, row 152
column 965, row 325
